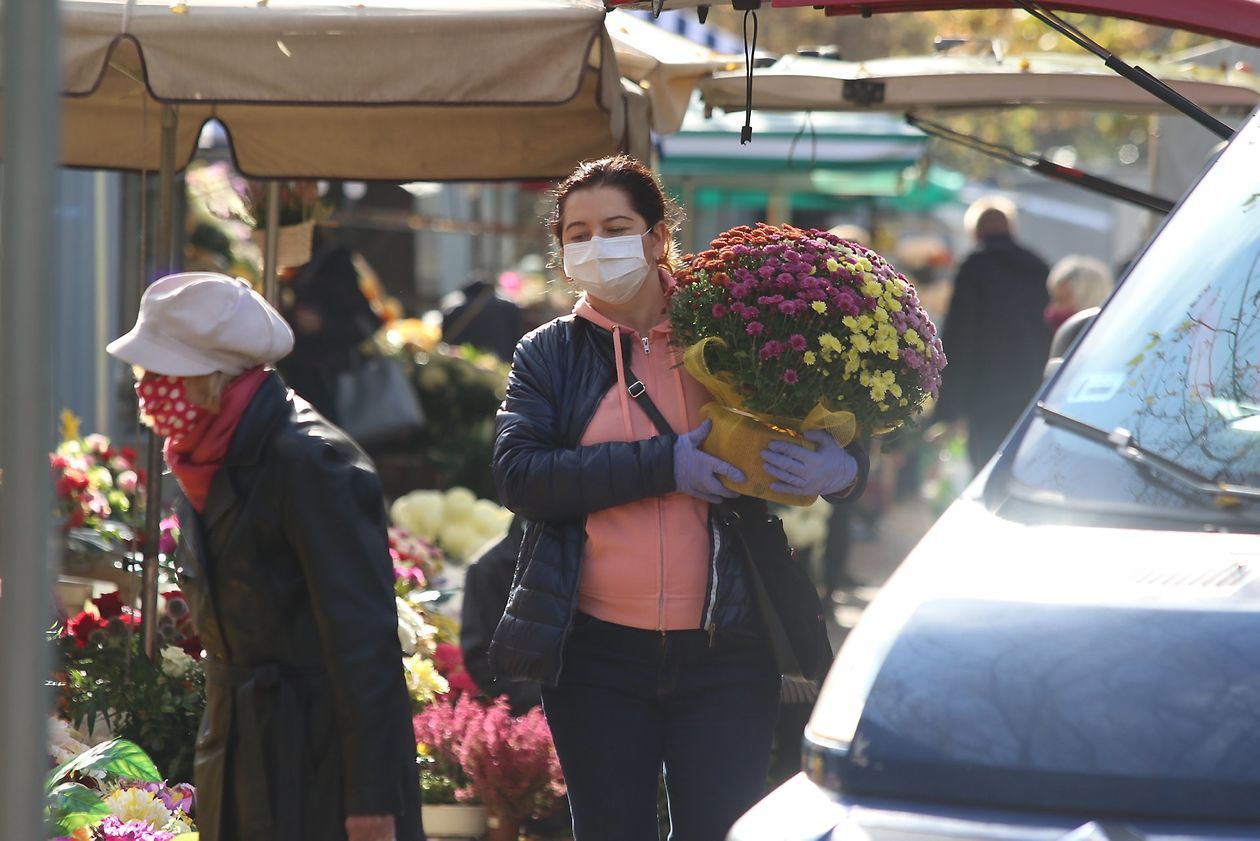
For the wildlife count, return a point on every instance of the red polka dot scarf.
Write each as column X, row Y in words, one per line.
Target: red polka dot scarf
column 197, row 439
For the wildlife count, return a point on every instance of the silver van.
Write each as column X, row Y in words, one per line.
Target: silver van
column 1073, row 651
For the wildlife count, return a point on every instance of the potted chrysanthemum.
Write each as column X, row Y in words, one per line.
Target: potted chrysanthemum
column 793, row 330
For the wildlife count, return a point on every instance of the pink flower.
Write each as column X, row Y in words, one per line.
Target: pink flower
column 720, row 311
column 772, row 349
column 755, row 328
column 797, row 343
column 749, row 313
column 790, row 376
column 127, row 481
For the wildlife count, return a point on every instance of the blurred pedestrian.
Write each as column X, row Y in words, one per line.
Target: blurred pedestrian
column 995, row 334
column 1076, row 283
column 630, row 604
column 331, row 318
column 478, row 315
column 284, row 557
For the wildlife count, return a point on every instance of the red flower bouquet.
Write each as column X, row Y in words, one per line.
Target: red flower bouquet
column 793, row 330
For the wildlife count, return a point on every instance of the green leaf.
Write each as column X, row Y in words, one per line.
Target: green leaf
column 116, row 758
column 71, row 805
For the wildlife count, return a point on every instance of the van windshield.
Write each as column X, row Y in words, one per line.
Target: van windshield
column 1173, row 360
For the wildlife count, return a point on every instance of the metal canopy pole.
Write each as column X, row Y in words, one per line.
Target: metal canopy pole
column 271, row 249
column 164, row 260
column 1144, row 80
column 28, row 283
column 1036, row 163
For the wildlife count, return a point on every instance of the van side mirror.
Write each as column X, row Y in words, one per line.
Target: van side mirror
column 1064, row 338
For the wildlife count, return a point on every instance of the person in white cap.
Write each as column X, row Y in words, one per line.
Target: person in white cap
column 284, row 556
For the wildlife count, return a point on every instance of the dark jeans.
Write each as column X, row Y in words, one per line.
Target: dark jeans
column 631, row 701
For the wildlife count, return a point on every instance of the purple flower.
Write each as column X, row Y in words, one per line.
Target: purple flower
column 112, row 829
column 769, row 300
column 720, row 311
column 772, row 349
column 741, row 290
column 744, row 276
column 790, row 307
column 749, row 313
column 755, row 328
column 766, row 271
column 785, row 279
column 797, row 343
column 790, row 376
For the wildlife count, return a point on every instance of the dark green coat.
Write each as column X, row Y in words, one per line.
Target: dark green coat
column 289, row 578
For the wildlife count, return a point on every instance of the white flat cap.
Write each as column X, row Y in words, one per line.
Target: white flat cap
column 197, row 323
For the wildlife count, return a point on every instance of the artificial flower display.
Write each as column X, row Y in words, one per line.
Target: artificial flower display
column 455, row 520
column 793, row 330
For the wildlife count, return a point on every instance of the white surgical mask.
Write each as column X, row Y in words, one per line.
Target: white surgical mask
column 611, row 269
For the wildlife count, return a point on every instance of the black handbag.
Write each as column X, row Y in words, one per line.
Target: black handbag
column 376, row 402
column 787, row 601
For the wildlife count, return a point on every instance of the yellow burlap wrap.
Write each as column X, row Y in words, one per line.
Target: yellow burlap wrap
column 739, row 435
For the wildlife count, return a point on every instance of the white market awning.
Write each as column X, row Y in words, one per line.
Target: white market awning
column 383, row 89
column 797, row 83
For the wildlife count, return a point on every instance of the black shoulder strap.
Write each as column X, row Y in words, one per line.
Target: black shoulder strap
column 634, row 386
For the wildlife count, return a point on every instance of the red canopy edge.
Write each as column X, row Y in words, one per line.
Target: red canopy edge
column 1236, row 20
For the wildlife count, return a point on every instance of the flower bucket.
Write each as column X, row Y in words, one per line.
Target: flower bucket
column 293, row 243
column 738, row 438
column 454, row 820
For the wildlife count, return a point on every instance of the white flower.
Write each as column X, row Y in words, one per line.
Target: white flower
column 176, row 662
column 459, row 503
column 420, row 512
column 64, row 742
column 136, row 804
column 413, row 631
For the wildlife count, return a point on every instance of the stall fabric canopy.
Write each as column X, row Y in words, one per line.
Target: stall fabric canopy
column 942, row 81
column 669, row 66
column 381, row 89
column 1237, row 20
column 790, row 143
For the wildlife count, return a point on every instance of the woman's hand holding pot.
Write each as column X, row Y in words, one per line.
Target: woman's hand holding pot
column 696, row 472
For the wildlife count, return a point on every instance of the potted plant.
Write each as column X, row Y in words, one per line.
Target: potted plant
column 796, row 330
column 451, row 808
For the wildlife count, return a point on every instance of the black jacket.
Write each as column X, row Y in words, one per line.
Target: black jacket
column 288, row 575
column 559, row 375
column 995, row 334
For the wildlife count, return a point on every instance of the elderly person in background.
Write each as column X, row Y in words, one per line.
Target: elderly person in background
column 1076, row 283
column 285, row 560
column 995, row 334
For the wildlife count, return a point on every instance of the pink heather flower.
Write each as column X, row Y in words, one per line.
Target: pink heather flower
column 720, row 311
column 797, row 343
column 755, row 328
column 790, row 376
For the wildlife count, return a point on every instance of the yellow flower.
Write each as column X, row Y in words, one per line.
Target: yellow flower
column 819, row 307
column 881, row 315
column 809, row 357
column 830, row 342
column 136, row 804
column 871, row 288
column 864, row 264
column 892, row 303
column 912, row 339
column 832, row 265
column 423, row 680
column 69, row 425
column 860, row 342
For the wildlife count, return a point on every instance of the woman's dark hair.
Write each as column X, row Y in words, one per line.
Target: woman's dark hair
column 627, row 174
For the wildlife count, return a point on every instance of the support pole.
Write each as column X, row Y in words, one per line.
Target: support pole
column 271, row 252
column 28, row 283
column 164, row 262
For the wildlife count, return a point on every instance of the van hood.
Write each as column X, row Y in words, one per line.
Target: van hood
column 1083, row 670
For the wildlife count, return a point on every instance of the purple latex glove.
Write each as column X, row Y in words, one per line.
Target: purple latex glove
column 696, row 472
column 823, row 471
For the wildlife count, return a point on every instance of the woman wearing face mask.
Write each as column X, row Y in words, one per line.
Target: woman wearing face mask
column 629, row 605
column 285, row 560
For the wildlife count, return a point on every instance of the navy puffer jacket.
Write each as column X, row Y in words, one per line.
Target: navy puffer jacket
column 543, row 474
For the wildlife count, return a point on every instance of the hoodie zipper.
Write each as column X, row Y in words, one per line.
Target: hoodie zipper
column 709, row 625
column 647, row 349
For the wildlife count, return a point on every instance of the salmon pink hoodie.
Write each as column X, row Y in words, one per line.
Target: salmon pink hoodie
column 646, row 562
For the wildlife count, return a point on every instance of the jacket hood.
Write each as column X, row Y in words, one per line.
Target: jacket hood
column 584, row 309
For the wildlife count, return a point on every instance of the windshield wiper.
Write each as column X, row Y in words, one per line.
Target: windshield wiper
column 1121, row 442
